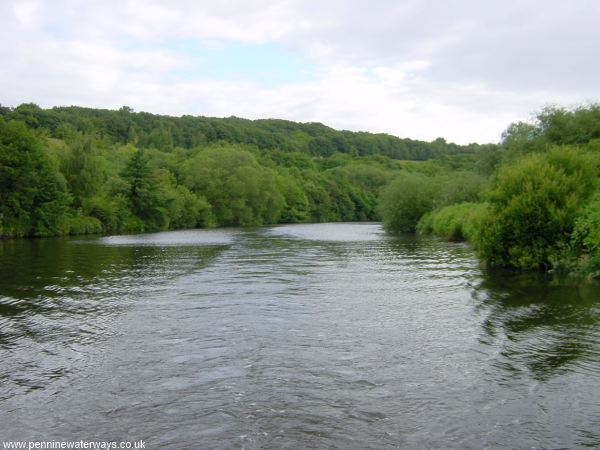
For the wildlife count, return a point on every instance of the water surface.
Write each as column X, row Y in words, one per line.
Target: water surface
column 299, row 336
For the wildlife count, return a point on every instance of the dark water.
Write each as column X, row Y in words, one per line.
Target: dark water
column 307, row 336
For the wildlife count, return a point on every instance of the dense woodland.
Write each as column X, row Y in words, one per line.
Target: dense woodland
column 531, row 202
column 80, row 170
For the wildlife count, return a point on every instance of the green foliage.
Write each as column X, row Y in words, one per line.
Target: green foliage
column 533, row 205
column 167, row 133
column 562, row 126
column 458, row 187
column 240, row 191
column 33, row 197
column 552, row 126
column 78, row 171
column 458, row 222
column 364, row 183
column 541, row 212
column 405, row 200
column 521, row 137
column 585, row 239
column 82, row 169
column 296, row 204
column 133, row 171
column 129, row 188
column 413, row 194
column 110, row 211
column 186, row 209
column 586, row 233
column 83, row 225
column 144, row 198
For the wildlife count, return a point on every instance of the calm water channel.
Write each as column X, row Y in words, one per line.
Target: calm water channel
column 302, row 336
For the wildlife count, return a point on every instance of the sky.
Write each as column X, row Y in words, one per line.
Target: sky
column 458, row 69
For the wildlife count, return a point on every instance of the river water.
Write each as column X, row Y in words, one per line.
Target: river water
column 300, row 336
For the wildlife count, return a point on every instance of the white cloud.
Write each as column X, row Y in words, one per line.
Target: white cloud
column 461, row 70
column 26, row 14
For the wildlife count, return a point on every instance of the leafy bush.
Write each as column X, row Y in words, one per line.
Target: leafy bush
column 188, row 210
column 83, row 225
column 586, row 238
column 134, row 224
column 455, row 222
column 459, row 187
column 533, row 205
column 405, row 200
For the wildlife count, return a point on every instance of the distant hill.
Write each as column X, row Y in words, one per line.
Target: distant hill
column 148, row 130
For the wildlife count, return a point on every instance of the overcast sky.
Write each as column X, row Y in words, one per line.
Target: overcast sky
column 457, row 69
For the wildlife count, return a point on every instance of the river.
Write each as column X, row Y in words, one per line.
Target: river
column 295, row 336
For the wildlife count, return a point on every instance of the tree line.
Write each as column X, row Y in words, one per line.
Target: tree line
column 530, row 203
column 161, row 132
column 80, row 170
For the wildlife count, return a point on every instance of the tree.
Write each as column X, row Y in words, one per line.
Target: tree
column 405, row 200
column 240, row 190
column 33, row 196
column 82, row 169
column 144, row 196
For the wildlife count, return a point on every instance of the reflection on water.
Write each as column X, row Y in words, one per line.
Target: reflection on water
column 170, row 239
column 57, row 298
column 544, row 329
column 296, row 336
column 332, row 232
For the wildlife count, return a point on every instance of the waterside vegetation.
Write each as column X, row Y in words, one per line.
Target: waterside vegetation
column 540, row 209
column 531, row 202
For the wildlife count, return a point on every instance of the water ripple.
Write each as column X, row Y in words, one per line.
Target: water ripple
column 296, row 336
